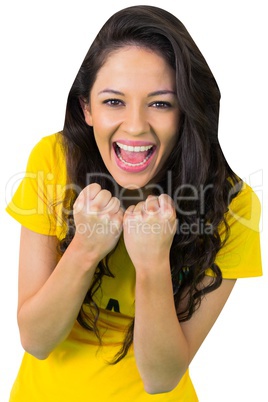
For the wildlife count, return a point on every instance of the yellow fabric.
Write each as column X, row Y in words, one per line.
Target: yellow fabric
column 36, row 203
column 240, row 257
column 78, row 369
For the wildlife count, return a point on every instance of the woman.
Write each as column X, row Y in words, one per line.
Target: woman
column 134, row 227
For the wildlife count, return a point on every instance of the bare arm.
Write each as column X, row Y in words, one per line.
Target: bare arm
column 51, row 292
column 163, row 346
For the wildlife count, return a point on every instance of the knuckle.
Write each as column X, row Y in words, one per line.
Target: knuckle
column 94, row 186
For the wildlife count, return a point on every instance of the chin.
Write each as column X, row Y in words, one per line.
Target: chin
column 134, row 181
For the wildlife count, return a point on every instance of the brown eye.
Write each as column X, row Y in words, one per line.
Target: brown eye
column 113, row 102
column 161, row 104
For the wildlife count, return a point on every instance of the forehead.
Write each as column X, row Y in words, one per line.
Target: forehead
column 134, row 64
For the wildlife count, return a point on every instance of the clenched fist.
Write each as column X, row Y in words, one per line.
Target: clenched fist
column 149, row 229
column 98, row 219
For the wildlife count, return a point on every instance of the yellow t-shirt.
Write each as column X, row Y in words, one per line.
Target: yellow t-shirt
column 77, row 370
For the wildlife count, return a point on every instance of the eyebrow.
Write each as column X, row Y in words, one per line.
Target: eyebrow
column 151, row 94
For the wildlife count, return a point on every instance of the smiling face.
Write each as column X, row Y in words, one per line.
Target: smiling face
column 133, row 109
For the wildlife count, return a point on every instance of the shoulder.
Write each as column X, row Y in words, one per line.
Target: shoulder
column 36, row 202
column 46, row 167
column 240, row 255
column 48, row 156
column 50, row 146
column 245, row 209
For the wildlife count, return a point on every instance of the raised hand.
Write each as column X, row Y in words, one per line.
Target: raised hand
column 98, row 219
column 149, row 228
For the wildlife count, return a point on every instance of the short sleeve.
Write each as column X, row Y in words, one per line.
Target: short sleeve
column 37, row 202
column 240, row 256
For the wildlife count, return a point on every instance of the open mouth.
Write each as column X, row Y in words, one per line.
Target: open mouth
column 133, row 157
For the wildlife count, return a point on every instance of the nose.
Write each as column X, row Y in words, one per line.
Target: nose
column 135, row 121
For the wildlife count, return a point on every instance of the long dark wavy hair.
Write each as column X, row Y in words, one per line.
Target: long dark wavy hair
column 196, row 163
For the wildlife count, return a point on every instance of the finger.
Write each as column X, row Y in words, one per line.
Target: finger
column 114, row 219
column 167, row 206
column 130, row 209
column 113, row 206
column 88, row 193
column 92, row 190
column 151, row 205
column 100, row 201
column 133, row 212
column 139, row 207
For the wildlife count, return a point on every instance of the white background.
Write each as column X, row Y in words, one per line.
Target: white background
column 42, row 47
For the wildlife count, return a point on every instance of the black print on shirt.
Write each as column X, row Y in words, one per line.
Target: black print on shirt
column 113, row 304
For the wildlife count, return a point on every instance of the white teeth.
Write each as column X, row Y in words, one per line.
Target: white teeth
column 134, row 149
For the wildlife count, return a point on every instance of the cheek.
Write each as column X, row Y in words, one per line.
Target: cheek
column 169, row 126
column 174, row 129
column 105, row 126
column 102, row 134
